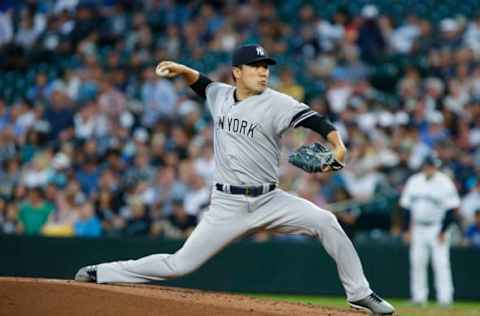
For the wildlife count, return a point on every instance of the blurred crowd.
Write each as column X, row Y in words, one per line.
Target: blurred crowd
column 96, row 144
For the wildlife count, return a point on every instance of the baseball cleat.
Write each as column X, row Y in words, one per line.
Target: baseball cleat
column 373, row 304
column 87, row 274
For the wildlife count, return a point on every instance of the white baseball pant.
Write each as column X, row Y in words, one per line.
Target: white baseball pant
column 425, row 243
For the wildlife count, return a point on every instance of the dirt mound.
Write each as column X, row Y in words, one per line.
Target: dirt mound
column 22, row 296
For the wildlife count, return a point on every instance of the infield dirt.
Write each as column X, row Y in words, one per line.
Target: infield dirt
column 24, row 296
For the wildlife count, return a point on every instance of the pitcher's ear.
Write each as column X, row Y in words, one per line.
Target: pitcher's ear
column 236, row 71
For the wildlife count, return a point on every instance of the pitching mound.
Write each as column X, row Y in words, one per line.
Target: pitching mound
column 22, row 296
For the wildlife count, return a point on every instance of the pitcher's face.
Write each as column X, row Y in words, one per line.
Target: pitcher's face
column 253, row 77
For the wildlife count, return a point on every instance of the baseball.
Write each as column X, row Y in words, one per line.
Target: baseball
column 162, row 71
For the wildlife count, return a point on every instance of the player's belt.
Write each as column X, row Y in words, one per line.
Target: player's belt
column 426, row 223
column 250, row 191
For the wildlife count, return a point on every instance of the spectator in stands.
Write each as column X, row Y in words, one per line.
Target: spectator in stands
column 141, row 169
column 167, row 188
column 88, row 175
column 4, row 115
column 470, row 204
column 159, row 98
column 472, row 35
column 88, row 124
column 3, row 212
column 179, row 224
column 289, row 86
column 404, row 36
column 9, row 223
column 38, row 172
column 106, row 208
column 111, row 101
column 31, row 147
column 371, row 40
column 39, row 92
column 139, row 222
column 204, row 164
column 34, row 212
column 87, row 224
column 10, row 176
column 450, row 36
column 349, row 66
column 6, row 27
column 60, row 117
column 60, row 222
column 472, row 234
column 197, row 197
column 29, row 29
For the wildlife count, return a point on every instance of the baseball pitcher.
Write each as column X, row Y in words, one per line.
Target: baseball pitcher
column 250, row 119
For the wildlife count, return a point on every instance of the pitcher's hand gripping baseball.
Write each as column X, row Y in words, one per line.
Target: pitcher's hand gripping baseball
column 169, row 69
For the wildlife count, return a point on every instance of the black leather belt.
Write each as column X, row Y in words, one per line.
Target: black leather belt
column 249, row 191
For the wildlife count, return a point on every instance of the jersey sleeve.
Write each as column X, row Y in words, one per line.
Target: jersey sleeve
column 214, row 93
column 288, row 113
column 407, row 194
column 319, row 124
column 451, row 199
column 201, row 85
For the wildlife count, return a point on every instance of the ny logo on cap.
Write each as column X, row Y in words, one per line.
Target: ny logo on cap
column 260, row 51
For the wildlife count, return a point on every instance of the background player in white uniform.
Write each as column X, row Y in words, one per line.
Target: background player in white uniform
column 249, row 121
column 431, row 198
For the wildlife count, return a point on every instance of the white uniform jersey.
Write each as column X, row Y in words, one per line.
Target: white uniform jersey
column 429, row 199
column 247, row 133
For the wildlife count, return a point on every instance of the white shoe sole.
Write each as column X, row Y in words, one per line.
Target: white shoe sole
column 361, row 308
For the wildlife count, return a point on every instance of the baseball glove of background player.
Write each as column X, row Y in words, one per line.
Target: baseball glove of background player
column 315, row 158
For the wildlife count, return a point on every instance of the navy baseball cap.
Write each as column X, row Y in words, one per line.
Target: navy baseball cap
column 432, row 160
column 249, row 54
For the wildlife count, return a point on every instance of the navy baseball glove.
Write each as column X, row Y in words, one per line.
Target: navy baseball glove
column 315, row 158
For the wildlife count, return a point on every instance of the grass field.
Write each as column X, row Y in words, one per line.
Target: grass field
column 465, row 308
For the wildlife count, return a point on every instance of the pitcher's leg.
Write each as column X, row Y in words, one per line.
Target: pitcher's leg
column 443, row 273
column 205, row 241
column 341, row 249
column 291, row 214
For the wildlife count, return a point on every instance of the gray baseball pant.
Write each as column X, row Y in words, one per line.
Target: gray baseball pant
column 232, row 216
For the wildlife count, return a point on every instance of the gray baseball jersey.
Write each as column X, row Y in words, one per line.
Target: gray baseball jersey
column 247, row 133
